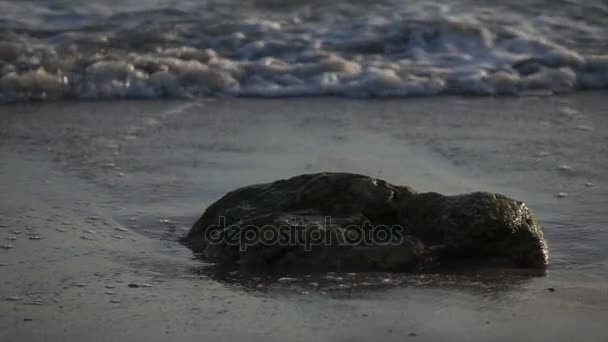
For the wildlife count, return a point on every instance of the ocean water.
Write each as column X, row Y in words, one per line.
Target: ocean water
column 112, row 49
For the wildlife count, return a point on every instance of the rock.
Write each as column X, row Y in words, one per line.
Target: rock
column 342, row 221
column 551, row 289
column 561, row 194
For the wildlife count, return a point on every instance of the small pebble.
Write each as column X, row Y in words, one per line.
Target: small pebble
column 588, row 184
column 8, row 246
column 109, row 293
column 117, row 236
column 551, row 289
column 80, row 284
column 27, row 319
column 134, row 285
column 164, row 221
column 61, row 230
column 84, row 237
column 561, row 195
column 110, row 286
column 564, row 168
column 3, row 264
column 35, row 237
column 3, row 225
column 412, row 334
column 14, row 298
column 121, row 229
column 11, row 238
column 115, row 301
column 89, row 231
column 16, row 232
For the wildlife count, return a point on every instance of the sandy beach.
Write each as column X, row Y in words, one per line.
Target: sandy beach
column 95, row 197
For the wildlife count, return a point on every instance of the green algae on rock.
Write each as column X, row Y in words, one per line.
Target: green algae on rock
column 343, row 221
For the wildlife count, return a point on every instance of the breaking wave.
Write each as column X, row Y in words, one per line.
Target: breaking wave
column 352, row 49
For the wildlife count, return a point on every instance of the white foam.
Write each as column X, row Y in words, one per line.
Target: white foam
column 398, row 51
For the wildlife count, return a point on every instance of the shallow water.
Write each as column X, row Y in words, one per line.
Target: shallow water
column 182, row 48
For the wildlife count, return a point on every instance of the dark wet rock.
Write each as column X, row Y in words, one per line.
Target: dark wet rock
column 426, row 230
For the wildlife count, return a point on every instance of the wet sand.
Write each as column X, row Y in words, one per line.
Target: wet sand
column 108, row 187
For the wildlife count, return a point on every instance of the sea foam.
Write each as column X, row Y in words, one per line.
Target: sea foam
column 388, row 50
